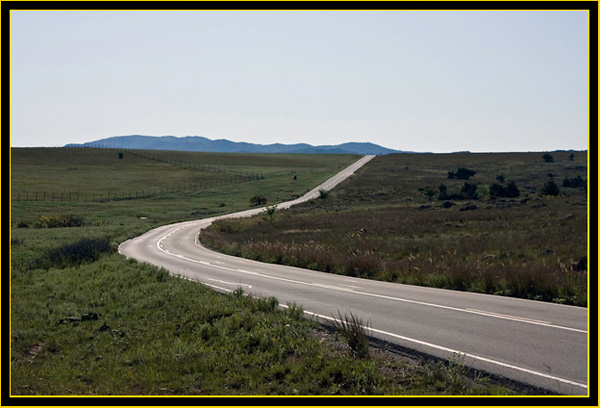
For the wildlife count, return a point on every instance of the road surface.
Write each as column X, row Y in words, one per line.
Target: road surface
column 541, row 344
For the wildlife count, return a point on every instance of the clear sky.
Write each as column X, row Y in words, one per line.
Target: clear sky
column 437, row 81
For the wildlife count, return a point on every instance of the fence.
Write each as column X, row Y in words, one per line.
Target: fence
column 193, row 165
column 236, row 177
column 122, row 195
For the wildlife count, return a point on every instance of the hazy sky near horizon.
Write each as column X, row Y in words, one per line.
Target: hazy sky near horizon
column 438, row 81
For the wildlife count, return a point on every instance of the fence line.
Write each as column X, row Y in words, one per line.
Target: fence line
column 121, row 195
column 145, row 154
column 237, row 178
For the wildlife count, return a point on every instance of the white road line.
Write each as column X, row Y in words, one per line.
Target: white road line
column 525, row 319
column 424, row 343
column 393, row 298
column 462, row 353
column 229, row 283
column 159, row 245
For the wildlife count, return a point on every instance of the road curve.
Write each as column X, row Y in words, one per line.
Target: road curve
column 541, row 344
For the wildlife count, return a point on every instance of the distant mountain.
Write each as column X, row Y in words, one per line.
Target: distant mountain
column 202, row 144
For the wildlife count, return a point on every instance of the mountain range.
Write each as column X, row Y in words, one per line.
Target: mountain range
column 203, row 144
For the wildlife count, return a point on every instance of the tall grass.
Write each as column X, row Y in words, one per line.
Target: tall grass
column 354, row 330
column 380, row 225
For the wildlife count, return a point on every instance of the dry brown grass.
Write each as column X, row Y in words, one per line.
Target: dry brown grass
column 381, row 225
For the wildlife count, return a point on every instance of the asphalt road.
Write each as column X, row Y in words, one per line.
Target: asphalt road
column 541, row 344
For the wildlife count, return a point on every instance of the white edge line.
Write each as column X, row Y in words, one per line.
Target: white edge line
column 340, row 289
column 435, row 346
column 449, row 350
column 431, row 345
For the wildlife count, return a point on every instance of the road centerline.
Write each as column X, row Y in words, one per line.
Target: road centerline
column 377, row 295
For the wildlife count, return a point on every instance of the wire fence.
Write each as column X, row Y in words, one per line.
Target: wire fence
column 231, row 177
column 124, row 195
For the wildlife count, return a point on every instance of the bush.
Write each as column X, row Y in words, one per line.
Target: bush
column 59, row 221
column 548, row 158
column 469, row 190
column 443, row 192
column 258, row 200
column 574, row 182
column 510, row 191
column 461, row 174
column 429, row 192
column 550, row 188
column 323, row 194
column 270, row 212
column 482, row 191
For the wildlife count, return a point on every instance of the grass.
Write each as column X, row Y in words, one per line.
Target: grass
column 86, row 321
column 353, row 329
column 150, row 334
column 77, row 174
column 382, row 224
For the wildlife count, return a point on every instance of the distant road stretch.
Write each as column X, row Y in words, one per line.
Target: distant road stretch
column 541, row 344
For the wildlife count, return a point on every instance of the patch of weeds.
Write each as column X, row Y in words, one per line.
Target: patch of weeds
column 354, row 330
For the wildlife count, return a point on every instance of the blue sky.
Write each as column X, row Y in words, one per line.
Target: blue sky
column 437, row 81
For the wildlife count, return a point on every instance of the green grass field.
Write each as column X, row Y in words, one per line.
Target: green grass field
column 86, row 321
column 391, row 222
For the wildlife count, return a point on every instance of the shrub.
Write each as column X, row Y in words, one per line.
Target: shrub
column 429, row 192
column 510, row 191
column 271, row 213
column 548, row 158
column 482, row 191
column 469, row 190
column 461, row 174
column 323, row 194
column 59, row 221
column 574, row 182
column 550, row 188
column 443, row 192
column 258, row 200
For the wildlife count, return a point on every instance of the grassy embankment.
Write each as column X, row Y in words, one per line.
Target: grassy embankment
column 84, row 320
column 393, row 221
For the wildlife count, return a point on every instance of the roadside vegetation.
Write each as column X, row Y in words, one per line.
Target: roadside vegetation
column 500, row 224
column 86, row 321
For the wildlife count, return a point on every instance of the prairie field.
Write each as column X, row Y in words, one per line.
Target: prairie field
column 407, row 218
column 87, row 321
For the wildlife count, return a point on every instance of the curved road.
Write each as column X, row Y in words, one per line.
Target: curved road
column 541, row 344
